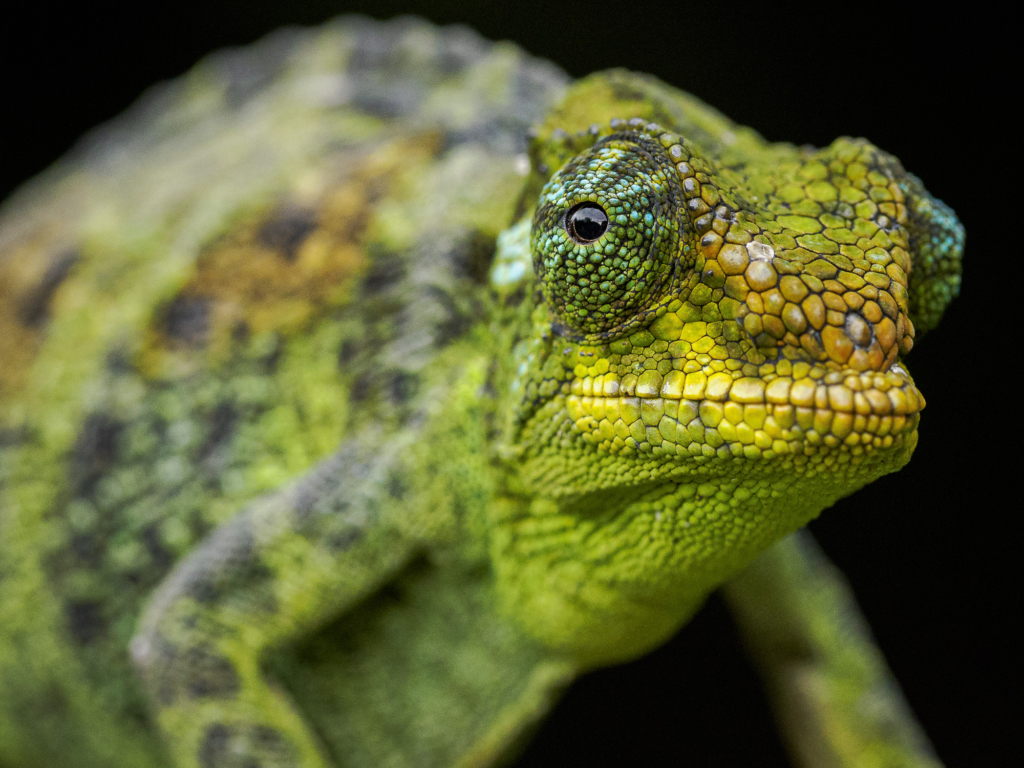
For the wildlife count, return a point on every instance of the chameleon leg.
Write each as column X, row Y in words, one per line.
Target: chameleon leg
column 835, row 699
column 285, row 564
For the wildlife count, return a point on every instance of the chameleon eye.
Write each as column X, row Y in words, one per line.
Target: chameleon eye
column 586, row 222
column 605, row 235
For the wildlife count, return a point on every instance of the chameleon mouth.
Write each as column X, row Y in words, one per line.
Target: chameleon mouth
column 692, row 414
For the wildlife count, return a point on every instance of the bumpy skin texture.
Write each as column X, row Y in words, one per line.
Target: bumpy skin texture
column 752, row 386
column 304, row 465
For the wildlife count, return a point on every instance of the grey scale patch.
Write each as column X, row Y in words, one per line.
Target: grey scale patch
column 209, row 675
column 167, row 685
column 214, row 750
column 461, row 49
column 257, row 746
column 250, row 70
column 187, row 320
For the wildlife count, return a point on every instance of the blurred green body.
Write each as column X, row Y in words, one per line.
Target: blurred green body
column 304, row 463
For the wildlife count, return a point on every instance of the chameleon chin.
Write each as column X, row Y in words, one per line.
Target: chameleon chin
column 375, row 381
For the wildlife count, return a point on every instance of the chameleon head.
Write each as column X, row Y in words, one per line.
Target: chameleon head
column 715, row 358
column 752, row 314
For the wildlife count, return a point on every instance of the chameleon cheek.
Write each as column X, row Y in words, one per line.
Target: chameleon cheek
column 604, row 237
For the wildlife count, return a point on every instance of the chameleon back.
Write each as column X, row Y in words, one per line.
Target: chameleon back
column 198, row 305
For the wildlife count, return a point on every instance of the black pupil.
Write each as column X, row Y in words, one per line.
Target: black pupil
column 588, row 222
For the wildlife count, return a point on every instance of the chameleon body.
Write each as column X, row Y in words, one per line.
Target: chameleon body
column 340, row 425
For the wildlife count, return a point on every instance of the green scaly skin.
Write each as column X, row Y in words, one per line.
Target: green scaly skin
column 303, row 462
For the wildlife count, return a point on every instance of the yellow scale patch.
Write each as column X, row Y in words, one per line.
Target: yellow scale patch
column 749, row 416
column 247, row 284
column 24, row 273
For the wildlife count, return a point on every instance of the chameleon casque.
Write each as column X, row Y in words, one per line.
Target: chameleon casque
column 345, row 418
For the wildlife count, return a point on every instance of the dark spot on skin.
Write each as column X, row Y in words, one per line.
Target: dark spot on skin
column 306, row 499
column 517, row 297
column 473, row 259
column 258, row 746
column 386, row 269
column 560, row 331
column 362, row 385
column 623, row 91
column 94, row 453
column 85, row 621
column 455, row 324
column 399, row 98
column 12, row 438
column 396, row 485
column 160, row 555
column 119, row 363
column 212, row 577
column 187, row 320
column 403, row 386
column 55, row 699
column 203, row 589
column 240, row 333
column 392, row 595
column 459, row 508
column 209, row 674
column 213, row 752
column 373, row 192
column 236, row 570
column 251, row 576
column 268, row 739
column 87, row 550
column 273, row 357
column 222, row 427
column 452, row 62
column 286, row 230
column 34, row 308
column 341, row 542
column 347, row 351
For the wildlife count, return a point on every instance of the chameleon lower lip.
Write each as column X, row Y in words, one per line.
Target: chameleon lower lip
column 747, row 417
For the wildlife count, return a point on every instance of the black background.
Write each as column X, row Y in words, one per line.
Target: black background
column 931, row 551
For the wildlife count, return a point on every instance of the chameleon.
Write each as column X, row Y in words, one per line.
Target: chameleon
column 362, row 388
